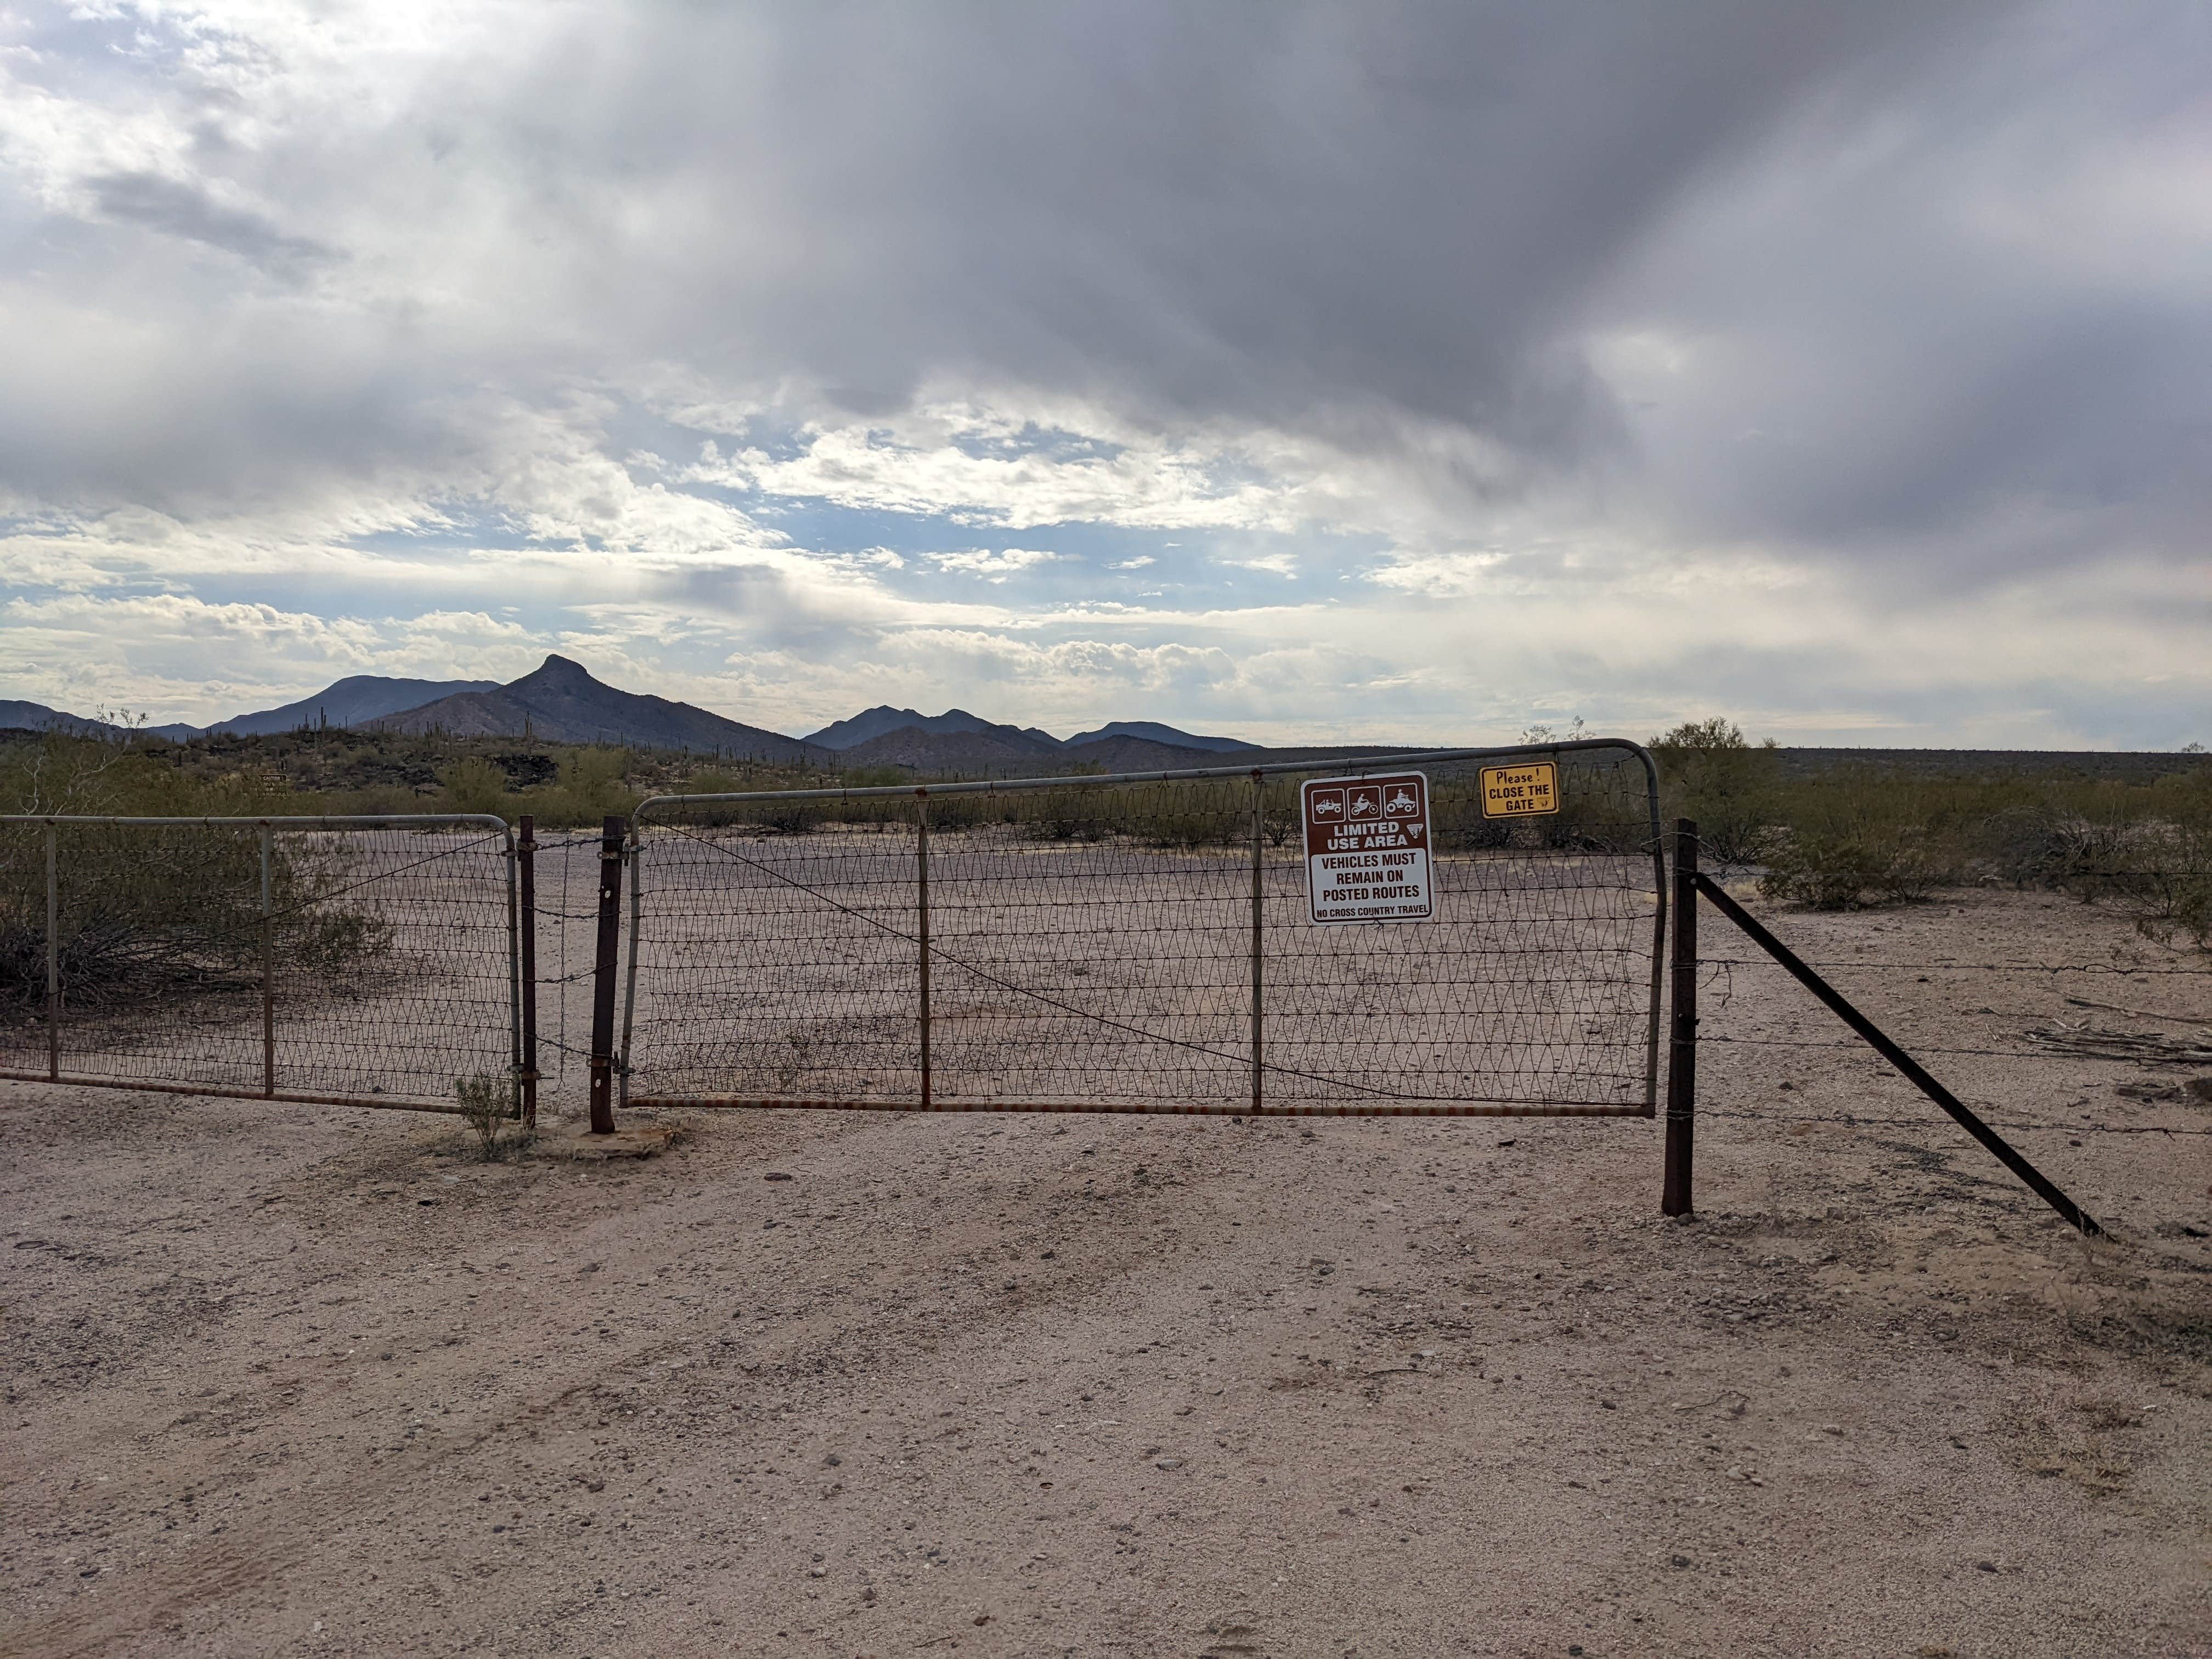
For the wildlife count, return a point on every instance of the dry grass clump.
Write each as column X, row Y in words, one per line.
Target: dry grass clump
column 488, row 1104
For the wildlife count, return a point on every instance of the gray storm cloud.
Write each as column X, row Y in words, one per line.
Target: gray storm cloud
column 1304, row 217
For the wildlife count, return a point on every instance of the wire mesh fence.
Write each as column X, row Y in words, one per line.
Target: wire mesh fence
column 366, row 961
column 2061, row 1013
column 1150, row 944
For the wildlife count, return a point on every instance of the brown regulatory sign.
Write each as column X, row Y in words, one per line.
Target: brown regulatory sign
column 1367, row 848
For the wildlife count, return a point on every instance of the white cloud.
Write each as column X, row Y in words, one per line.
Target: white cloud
column 993, row 567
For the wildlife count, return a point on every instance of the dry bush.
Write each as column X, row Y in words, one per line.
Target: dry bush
column 487, row 1103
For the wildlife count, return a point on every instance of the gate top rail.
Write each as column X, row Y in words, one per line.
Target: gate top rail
column 1351, row 763
column 488, row 821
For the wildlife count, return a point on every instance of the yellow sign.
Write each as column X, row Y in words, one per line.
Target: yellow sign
column 1520, row 790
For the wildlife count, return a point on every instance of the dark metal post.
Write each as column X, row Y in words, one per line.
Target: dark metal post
column 1912, row 1068
column 268, row 971
column 526, row 860
column 53, row 954
column 921, row 902
column 1675, row 1197
column 1259, row 835
column 604, row 966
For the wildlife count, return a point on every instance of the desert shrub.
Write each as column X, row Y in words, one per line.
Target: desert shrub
column 788, row 817
column 593, row 783
column 1708, row 772
column 1862, row 838
column 1060, row 815
column 487, row 1103
column 163, row 912
column 475, row 784
column 55, row 772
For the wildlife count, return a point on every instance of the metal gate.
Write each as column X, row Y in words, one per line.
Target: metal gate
column 1154, row 942
column 343, row 960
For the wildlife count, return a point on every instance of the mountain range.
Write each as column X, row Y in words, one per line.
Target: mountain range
column 355, row 700
column 561, row 701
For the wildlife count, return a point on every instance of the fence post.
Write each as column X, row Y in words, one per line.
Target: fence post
column 53, row 954
column 1682, row 1052
column 1258, row 835
column 268, row 970
column 921, row 900
column 603, row 966
column 526, row 860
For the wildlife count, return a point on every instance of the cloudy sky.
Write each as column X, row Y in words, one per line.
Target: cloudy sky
column 1411, row 372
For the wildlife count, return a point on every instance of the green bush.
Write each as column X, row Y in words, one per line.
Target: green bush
column 475, row 785
column 593, row 782
column 1710, row 773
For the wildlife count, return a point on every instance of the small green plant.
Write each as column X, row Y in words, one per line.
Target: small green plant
column 487, row 1103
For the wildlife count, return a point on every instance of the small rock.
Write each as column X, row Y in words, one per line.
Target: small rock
column 1678, row 1560
column 1836, row 1429
column 818, row 1573
column 1170, row 1464
column 832, row 1460
column 775, row 1174
column 1986, row 1566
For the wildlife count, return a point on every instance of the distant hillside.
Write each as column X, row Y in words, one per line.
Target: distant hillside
column 2131, row 766
column 353, row 701
column 883, row 719
column 19, row 716
column 561, row 703
column 1130, row 754
column 37, row 717
column 1154, row 731
column 1001, row 751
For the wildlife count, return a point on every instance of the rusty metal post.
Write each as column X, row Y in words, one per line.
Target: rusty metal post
column 268, row 969
column 604, row 968
column 525, row 862
column 1676, row 1196
column 53, row 954
column 1259, row 841
column 921, row 886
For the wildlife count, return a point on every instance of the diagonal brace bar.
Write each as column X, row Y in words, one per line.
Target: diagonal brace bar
column 1914, row 1073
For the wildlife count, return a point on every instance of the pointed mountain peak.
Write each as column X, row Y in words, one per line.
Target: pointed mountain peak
column 561, row 670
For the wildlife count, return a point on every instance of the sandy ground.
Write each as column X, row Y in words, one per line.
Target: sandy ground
column 312, row 1381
